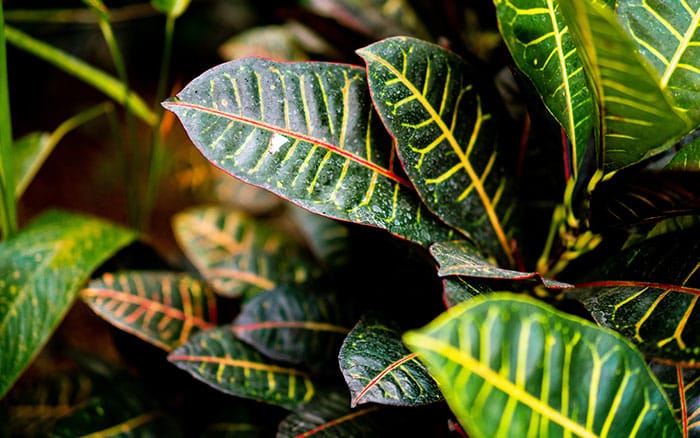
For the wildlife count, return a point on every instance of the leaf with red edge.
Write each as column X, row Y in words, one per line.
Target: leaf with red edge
column 379, row 368
column 307, row 132
column 162, row 308
column 682, row 386
column 649, row 292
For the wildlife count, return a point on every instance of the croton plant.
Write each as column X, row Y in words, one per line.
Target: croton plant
column 531, row 273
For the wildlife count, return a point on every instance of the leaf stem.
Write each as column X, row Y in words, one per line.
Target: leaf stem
column 8, row 213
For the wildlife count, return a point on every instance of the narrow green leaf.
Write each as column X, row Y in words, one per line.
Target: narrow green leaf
column 682, row 386
column 666, row 34
column 307, row 132
column 649, row 293
column 637, row 118
column 222, row 361
column 41, row 270
column 538, row 40
column 510, row 365
column 294, row 325
column 457, row 289
column 462, row 258
column 378, row 368
column 446, row 138
column 162, row 308
column 238, row 255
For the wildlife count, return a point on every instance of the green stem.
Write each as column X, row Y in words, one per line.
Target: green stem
column 157, row 150
column 8, row 212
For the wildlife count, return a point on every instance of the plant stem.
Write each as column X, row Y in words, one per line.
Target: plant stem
column 8, row 213
column 157, row 151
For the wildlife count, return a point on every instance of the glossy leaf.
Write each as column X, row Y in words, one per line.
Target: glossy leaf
column 307, row 132
column 649, row 292
column 162, row 308
column 238, row 255
column 457, row 289
column 219, row 359
column 683, row 388
column 330, row 416
column 687, row 158
column 666, row 34
column 539, row 41
column 637, row 117
column 446, row 138
column 509, row 365
column 293, row 325
column 378, row 368
column 461, row 258
column 41, row 270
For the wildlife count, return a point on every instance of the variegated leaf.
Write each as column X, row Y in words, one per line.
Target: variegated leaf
column 683, row 388
column 457, row 289
column 307, row 132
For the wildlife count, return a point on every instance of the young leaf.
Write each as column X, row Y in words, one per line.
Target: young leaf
column 637, row 117
column 649, row 293
column 307, row 132
column 219, row 359
column 461, row 258
column 445, row 137
column 293, row 325
column 682, row 386
column 539, row 41
column 457, row 289
column 162, row 308
column 41, row 270
column 378, row 367
column 238, row 255
column 666, row 34
column 509, row 365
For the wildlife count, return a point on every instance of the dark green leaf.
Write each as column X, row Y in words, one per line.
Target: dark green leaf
column 458, row 289
column 461, row 258
column 687, row 158
column 239, row 255
column 510, row 365
column 446, row 138
column 378, row 368
column 163, row 308
column 637, row 117
column 328, row 238
column 330, row 416
column 41, row 270
column 226, row 363
column 649, row 293
column 538, row 39
column 293, row 325
column 307, row 132
column 666, row 35
column 682, row 386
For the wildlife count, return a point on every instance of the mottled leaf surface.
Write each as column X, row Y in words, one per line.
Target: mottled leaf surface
column 239, row 255
column 219, row 359
column 539, row 41
column 459, row 289
column 162, row 308
column 682, row 386
column 649, row 292
column 637, row 117
column 509, row 365
column 294, row 325
column 307, row 132
column 379, row 368
column 41, row 270
column 446, row 137
column 687, row 158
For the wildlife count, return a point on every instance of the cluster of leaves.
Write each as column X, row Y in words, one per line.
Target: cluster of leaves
column 319, row 318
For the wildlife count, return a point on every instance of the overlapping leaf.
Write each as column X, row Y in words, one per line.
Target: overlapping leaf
column 538, row 39
column 461, row 258
column 378, row 368
column 238, row 255
column 649, row 292
column 294, row 325
column 308, row 132
column 163, row 308
column 637, row 117
column 41, row 270
column 687, row 158
column 457, row 289
column 221, row 360
column 446, row 138
column 329, row 239
column 512, row 366
column 683, row 388
column 666, row 34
